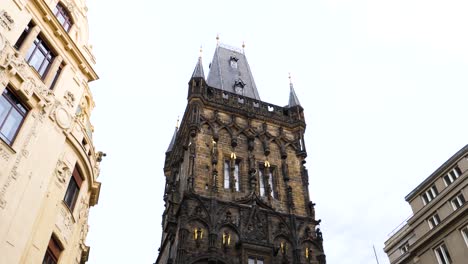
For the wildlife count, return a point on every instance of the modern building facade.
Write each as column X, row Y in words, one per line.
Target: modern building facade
column 437, row 232
column 48, row 163
column 236, row 183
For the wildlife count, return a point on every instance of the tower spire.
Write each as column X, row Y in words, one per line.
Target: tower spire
column 293, row 100
column 171, row 144
column 198, row 71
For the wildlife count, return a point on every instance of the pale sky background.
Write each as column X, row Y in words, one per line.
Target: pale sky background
column 384, row 85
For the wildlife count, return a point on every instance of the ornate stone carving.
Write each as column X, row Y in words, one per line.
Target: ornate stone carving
column 69, row 98
column 62, row 171
column 14, row 173
column 6, row 20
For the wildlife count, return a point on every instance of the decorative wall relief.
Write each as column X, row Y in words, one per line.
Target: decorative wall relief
column 6, row 20
column 64, row 222
column 4, row 154
column 69, row 98
column 62, row 171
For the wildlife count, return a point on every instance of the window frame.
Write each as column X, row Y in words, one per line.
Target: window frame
column 62, row 12
column 255, row 259
column 19, row 42
column 74, row 186
column 19, row 107
column 429, row 195
column 227, row 174
column 433, row 221
column 464, row 232
column 452, row 176
column 442, row 254
column 53, row 252
column 460, row 199
column 40, row 45
column 272, row 181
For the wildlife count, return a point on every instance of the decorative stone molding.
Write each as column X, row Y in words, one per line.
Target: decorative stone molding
column 62, row 171
column 69, row 98
column 23, row 153
column 6, row 20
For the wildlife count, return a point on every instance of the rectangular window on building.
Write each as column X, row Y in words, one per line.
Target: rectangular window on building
column 227, row 175
column 433, row 221
column 12, row 113
column 23, row 35
column 404, row 248
column 73, row 189
column 442, row 254
column 429, row 195
column 267, row 180
column 53, row 252
column 40, row 56
column 464, row 233
column 452, row 176
column 457, row 201
column 255, row 260
column 56, row 76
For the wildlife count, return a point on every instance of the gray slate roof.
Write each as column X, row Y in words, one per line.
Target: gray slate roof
column 293, row 100
column 198, row 71
column 171, row 145
column 223, row 75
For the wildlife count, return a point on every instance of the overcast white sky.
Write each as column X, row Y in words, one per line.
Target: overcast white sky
column 383, row 84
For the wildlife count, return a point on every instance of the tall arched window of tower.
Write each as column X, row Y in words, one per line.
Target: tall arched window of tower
column 63, row 16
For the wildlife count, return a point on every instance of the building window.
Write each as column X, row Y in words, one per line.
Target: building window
column 464, row 232
column 266, row 175
column 40, row 56
column 12, row 113
column 23, row 35
column 404, row 248
column 433, row 221
column 56, row 76
column 255, row 260
column 457, row 201
column 53, row 252
column 227, row 175
column 429, row 195
column 73, row 189
column 63, row 16
column 452, row 176
column 442, row 255
column 233, row 62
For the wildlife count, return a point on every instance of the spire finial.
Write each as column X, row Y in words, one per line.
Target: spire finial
column 201, row 51
column 217, row 39
column 243, row 46
column 177, row 124
column 290, row 81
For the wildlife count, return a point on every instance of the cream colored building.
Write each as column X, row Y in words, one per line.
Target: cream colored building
column 437, row 232
column 48, row 163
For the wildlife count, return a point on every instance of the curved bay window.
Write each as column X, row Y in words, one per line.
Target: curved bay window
column 73, row 189
column 12, row 113
column 40, row 56
column 63, row 16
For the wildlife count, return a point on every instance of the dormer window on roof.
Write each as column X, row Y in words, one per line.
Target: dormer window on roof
column 233, row 61
column 63, row 16
column 239, row 86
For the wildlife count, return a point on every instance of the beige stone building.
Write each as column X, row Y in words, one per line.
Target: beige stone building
column 437, row 232
column 48, row 163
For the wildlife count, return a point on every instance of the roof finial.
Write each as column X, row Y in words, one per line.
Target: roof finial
column 290, row 81
column 177, row 124
column 217, row 39
column 243, row 46
column 201, row 50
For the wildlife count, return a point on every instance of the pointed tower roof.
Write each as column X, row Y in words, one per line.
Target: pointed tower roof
column 198, row 71
column 293, row 100
column 171, row 145
column 229, row 71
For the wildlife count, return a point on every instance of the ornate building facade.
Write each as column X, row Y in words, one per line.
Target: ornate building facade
column 236, row 183
column 48, row 163
column 437, row 232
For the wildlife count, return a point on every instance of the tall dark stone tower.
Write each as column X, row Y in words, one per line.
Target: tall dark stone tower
column 236, row 185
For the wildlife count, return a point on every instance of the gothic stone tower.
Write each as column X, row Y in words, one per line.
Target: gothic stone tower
column 236, row 185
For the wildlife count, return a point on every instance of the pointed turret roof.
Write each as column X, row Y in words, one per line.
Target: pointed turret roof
column 198, row 71
column 171, row 145
column 229, row 71
column 293, row 100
